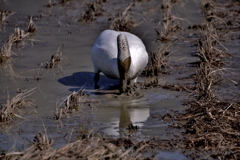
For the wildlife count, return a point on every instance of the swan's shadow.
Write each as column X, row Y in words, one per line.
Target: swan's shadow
column 84, row 80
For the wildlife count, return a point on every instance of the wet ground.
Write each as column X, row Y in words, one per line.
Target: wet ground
column 59, row 25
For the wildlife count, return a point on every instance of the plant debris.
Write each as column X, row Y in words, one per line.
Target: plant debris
column 158, row 62
column 55, row 60
column 123, row 22
column 74, row 102
column 211, row 123
column 41, row 141
column 4, row 15
column 5, row 51
column 94, row 9
column 10, row 110
column 208, row 128
column 169, row 25
column 91, row 147
column 31, row 26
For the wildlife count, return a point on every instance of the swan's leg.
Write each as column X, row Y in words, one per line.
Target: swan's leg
column 96, row 79
column 123, row 67
column 133, row 82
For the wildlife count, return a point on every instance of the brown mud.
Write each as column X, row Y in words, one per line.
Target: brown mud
column 185, row 104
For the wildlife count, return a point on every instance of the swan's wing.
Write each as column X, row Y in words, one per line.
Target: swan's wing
column 104, row 54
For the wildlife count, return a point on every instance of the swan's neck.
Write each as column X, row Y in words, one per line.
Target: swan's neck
column 123, row 47
column 124, row 60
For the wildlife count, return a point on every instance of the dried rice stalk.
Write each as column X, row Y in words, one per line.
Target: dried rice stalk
column 8, row 112
column 5, row 51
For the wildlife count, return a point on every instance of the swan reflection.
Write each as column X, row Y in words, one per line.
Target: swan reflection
column 122, row 120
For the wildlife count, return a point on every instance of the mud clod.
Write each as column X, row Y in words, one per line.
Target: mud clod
column 131, row 128
column 131, row 92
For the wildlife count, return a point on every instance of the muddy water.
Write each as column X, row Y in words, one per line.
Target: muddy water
column 59, row 25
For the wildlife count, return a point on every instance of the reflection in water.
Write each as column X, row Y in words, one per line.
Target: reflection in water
column 119, row 121
column 170, row 155
column 131, row 117
column 124, row 120
column 117, row 114
column 7, row 69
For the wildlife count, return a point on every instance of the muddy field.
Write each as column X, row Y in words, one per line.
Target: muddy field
column 185, row 105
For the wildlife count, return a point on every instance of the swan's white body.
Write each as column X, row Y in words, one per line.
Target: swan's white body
column 105, row 55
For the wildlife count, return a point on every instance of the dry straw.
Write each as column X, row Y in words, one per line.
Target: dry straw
column 74, row 102
column 90, row 146
column 211, row 123
column 5, row 51
column 12, row 107
column 123, row 21
column 169, row 25
column 94, row 9
column 4, row 15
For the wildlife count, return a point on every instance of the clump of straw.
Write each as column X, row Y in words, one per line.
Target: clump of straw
column 11, row 108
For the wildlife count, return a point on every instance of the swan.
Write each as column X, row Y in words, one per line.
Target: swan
column 118, row 55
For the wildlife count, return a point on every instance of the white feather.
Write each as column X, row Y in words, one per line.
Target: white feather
column 105, row 51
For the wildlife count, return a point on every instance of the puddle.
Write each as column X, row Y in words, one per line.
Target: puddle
column 170, row 156
column 58, row 26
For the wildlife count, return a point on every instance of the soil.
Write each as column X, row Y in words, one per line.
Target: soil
column 185, row 104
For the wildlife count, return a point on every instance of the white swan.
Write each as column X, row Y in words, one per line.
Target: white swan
column 119, row 55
